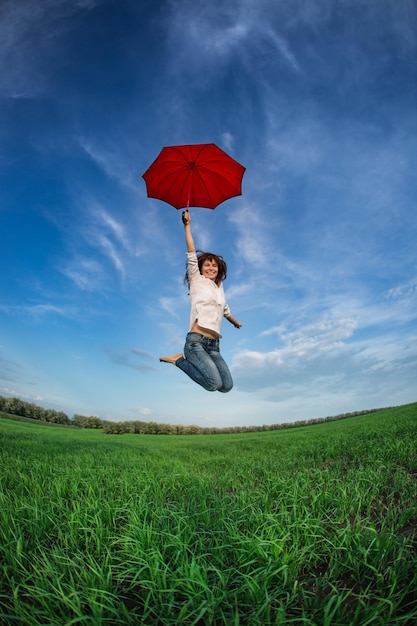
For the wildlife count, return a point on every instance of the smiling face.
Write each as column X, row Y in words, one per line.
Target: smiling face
column 211, row 266
column 210, row 269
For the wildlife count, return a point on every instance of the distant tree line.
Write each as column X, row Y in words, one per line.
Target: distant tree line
column 154, row 428
column 29, row 410
column 15, row 406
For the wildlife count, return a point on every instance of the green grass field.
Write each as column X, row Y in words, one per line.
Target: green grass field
column 308, row 526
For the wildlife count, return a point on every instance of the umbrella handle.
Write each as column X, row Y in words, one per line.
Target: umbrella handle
column 184, row 219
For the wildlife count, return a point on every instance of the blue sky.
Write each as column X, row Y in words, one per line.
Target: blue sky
column 316, row 98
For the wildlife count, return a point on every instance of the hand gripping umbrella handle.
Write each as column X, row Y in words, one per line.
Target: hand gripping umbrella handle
column 184, row 219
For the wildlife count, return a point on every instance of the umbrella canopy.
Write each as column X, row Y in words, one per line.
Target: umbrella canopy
column 195, row 175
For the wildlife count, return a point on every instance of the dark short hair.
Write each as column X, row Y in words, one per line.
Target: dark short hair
column 209, row 256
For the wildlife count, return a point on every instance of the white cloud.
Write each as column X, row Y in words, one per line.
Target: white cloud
column 253, row 242
column 86, row 274
column 144, row 411
column 278, row 330
column 170, row 305
column 227, row 141
column 217, row 34
column 109, row 250
column 11, row 372
column 405, row 293
column 143, row 354
column 115, row 227
column 121, row 358
column 96, row 240
column 23, row 396
column 115, row 158
column 35, row 310
column 300, row 345
column 282, row 46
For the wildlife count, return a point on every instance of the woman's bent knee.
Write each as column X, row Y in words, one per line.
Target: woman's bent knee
column 226, row 388
column 212, row 386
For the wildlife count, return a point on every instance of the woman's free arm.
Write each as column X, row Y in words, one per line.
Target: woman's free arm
column 233, row 321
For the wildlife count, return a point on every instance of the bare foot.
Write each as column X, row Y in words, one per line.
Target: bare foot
column 170, row 359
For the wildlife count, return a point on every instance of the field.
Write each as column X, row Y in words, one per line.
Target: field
column 308, row 526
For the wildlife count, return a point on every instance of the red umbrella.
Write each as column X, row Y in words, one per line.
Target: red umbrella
column 196, row 175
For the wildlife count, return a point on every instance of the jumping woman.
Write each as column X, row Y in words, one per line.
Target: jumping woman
column 202, row 360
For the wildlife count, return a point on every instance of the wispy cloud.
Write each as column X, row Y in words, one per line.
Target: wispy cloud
column 303, row 344
column 36, row 310
column 23, row 396
column 405, row 293
column 109, row 250
column 174, row 305
column 86, row 274
column 31, row 36
column 143, row 354
column 237, row 30
column 98, row 239
column 334, row 360
column 11, row 371
column 282, row 46
column 143, row 411
column 114, row 226
column 227, row 141
column 115, row 158
column 126, row 360
column 253, row 243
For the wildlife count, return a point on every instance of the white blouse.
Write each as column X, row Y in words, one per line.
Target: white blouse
column 208, row 302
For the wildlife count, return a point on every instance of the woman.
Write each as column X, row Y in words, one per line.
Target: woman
column 202, row 360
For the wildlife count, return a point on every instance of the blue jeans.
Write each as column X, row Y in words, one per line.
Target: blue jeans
column 204, row 364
